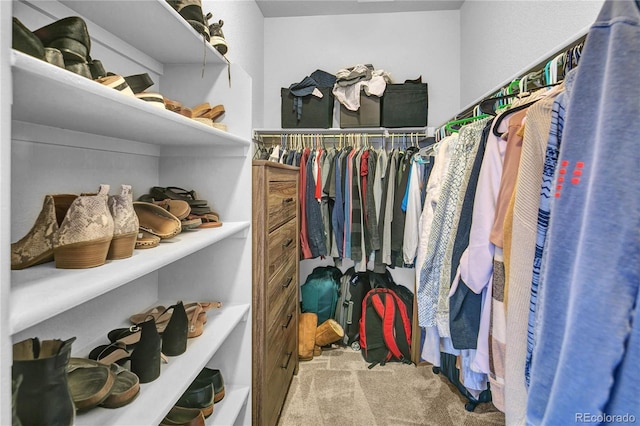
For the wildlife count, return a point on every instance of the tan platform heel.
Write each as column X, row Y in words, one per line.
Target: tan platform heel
column 85, row 234
column 125, row 224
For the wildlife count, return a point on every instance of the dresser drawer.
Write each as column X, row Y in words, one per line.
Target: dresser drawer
column 282, row 287
column 278, row 380
column 281, row 242
column 281, row 202
column 280, row 331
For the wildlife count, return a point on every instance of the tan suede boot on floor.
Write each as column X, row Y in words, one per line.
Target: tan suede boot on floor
column 307, row 325
column 328, row 332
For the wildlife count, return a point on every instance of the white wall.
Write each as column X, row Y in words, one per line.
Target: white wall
column 244, row 31
column 405, row 44
column 500, row 39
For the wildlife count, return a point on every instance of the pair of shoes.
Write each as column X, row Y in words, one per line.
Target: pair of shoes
column 196, row 314
column 44, row 396
column 79, row 231
column 198, row 206
column 145, row 354
column 93, row 383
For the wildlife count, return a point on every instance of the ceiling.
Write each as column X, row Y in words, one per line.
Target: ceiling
column 287, row 8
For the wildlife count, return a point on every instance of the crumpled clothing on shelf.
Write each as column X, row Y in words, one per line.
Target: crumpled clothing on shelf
column 352, row 75
column 309, row 86
column 349, row 95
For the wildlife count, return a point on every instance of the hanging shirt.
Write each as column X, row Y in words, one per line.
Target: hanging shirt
column 526, row 201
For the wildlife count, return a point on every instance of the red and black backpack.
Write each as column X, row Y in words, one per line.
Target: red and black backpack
column 385, row 328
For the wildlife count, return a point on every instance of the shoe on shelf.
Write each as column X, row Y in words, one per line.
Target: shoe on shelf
column 125, row 389
column 191, row 11
column 178, row 208
column 146, row 355
column 54, row 57
column 118, row 83
column 125, row 220
column 156, row 220
column 217, row 37
column 174, row 336
column 191, row 224
column 175, row 193
column 112, row 353
column 78, row 67
column 90, row 382
column 75, row 230
column 139, row 82
column 146, row 240
column 198, row 395
column 44, row 396
column 25, row 41
column 69, row 35
column 85, row 234
column 180, row 416
column 214, row 377
column 154, row 99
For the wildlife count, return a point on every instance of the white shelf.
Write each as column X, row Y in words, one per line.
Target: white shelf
column 226, row 411
column 164, row 27
column 41, row 292
column 52, row 96
column 149, row 407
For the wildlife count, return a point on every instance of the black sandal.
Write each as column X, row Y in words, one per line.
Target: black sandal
column 175, row 193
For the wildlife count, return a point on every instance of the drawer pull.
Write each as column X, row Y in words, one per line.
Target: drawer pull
column 288, row 283
column 287, row 200
column 286, row 365
column 289, row 318
column 287, row 243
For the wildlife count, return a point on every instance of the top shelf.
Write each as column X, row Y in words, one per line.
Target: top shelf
column 74, row 102
column 166, row 28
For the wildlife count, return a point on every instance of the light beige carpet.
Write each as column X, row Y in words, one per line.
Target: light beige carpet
column 337, row 389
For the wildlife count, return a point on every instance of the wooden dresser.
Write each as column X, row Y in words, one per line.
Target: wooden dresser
column 275, row 304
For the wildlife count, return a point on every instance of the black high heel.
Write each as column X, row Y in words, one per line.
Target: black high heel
column 145, row 358
column 174, row 337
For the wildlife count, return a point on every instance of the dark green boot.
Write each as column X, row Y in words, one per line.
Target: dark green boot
column 43, row 398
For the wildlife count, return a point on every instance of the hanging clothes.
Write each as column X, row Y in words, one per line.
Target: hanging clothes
column 590, row 283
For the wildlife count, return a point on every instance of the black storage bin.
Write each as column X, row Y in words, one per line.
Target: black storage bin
column 368, row 115
column 405, row 105
column 317, row 113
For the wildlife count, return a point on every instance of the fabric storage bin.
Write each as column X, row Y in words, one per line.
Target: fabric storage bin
column 316, row 112
column 405, row 105
column 368, row 115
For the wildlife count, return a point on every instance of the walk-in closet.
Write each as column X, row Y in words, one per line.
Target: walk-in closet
column 350, row 212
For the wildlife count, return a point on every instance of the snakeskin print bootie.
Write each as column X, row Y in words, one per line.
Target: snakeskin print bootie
column 125, row 223
column 85, row 234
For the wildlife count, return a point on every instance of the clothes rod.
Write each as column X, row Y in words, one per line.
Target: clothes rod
column 334, row 131
column 536, row 66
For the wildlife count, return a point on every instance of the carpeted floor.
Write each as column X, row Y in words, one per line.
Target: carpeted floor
column 337, row 389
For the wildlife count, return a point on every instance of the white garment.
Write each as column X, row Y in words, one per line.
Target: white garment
column 412, row 215
column 440, row 166
column 476, row 263
column 379, row 179
column 349, row 96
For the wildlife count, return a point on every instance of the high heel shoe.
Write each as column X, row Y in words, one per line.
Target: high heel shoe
column 85, row 234
column 146, row 358
column 174, row 337
column 108, row 354
column 125, row 220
